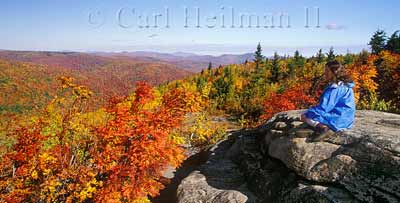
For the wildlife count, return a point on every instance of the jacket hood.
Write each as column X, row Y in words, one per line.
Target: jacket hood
column 350, row 84
column 336, row 85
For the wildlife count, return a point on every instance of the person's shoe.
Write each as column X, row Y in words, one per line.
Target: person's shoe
column 322, row 134
column 303, row 133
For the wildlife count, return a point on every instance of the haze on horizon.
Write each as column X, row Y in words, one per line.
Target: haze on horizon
column 202, row 27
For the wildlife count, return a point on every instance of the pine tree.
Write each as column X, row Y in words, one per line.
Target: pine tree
column 331, row 55
column 209, row 67
column 378, row 41
column 275, row 69
column 320, row 56
column 298, row 62
column 298, row 59
column 292, row 70
column 393, row 44
column 258, row 57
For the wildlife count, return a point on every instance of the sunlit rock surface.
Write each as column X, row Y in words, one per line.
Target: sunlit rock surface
column 279, row 162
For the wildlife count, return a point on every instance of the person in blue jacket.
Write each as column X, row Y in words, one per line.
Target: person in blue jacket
column 336, row 108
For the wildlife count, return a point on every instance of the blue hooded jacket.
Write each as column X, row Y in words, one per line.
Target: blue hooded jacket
column 336, row 108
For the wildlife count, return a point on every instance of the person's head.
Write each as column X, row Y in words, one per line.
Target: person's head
column 335, row 72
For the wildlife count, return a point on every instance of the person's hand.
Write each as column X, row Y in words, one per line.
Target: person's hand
column 322, row 127
column 303, row 117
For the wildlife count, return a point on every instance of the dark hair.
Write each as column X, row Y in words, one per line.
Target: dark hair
column 338, row 71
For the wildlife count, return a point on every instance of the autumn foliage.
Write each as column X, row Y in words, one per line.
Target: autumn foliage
column 76, row 148
column 28, row 78
column 388, row 77
column 363, row 73
column 293, row 98
column 66, row 155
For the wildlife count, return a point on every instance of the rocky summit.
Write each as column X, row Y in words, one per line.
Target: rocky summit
column 280, row 162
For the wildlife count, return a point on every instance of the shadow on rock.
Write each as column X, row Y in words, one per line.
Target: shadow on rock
column 168, row 194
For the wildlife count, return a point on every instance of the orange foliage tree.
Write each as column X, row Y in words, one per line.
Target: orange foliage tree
column 290, row 99
column 133, row 148
column 388, row 68
column 59, row 157
column 363, row 73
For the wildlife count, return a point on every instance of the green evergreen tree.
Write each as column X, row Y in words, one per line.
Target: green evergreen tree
column 298, row 59
column 393, row 43
column 296, row 55
column 275, row 68
column 378, row 41
column 209, row 67
column 258, row 57
column 295, row 64
column 331, row 55
column 320, row 56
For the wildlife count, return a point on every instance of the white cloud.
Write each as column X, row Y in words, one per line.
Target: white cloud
column 334, row 26
column 153, row 35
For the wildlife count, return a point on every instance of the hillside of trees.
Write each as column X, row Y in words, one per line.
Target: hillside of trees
column 70, row 151
column 28, row 80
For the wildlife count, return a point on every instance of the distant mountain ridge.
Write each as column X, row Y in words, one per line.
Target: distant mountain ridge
column 83, row 60
column 69, row 60
column 188, row 61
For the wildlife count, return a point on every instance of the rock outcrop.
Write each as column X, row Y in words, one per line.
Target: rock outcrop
column 278, row 162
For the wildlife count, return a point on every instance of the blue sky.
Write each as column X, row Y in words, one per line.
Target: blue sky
column 110, row 25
